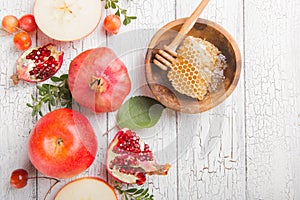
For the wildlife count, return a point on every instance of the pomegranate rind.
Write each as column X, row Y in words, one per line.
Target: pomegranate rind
column 24, row 66
column 99, row 63
column 145, row 167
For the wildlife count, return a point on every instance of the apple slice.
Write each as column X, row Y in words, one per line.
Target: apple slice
column 67, row 20
column 87, row 188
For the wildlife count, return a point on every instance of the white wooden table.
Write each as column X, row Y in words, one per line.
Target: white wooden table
column 246, row 148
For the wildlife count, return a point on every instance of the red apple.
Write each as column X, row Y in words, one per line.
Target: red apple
column 87, row 188
column 62, row 144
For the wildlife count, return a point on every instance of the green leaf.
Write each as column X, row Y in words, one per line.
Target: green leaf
column 40, row 88
column 132, row 17
column 139, row 191
column 144, row 193
column 132, row 190
column 126, row 21
column 139, row 112
column 29, row 105
column 52, row 101
column 107, row 5
column 49, row 106
column 33, row 98
column 34, row 112
column 55, row 79
column 134, row 193
column 113, row 5
column 118, row 13
column 64, row 77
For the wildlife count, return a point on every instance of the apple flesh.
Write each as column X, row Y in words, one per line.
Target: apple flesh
column 62, row 144
column 67, row 20
column 87, row 188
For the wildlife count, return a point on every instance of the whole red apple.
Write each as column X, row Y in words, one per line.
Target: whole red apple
column 62, row 144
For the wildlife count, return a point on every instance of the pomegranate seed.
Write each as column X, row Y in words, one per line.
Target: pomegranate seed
column 141, row 178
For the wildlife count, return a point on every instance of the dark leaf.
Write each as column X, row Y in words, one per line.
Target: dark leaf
column 132, row 17
column 132, row 190
column 29, row 105
column 118, row 13
column 143, row 194
column 64, row 77
column 139, row 191
column 40, row 88
column 55, row 79
column 126, row 21
column 49, row 106
column 113, row 5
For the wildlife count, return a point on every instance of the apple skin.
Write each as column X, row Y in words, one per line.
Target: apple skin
column 62, row 144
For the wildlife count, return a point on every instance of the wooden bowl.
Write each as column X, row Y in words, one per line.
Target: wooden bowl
column 162, row 88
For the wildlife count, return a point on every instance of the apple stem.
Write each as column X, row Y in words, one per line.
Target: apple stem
column 19, row 29
column 5, row 33
column 106, row 133
column 44, row 177
column 49, row 178
column 48, row 192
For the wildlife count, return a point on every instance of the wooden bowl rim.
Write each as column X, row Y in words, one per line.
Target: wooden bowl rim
column 217, row 27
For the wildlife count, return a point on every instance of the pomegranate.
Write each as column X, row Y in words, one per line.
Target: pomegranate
column 129, row 159
column 38, row 64
column 98, row 80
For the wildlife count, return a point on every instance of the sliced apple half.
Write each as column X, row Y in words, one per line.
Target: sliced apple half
column 67, row 20
column 87, row 188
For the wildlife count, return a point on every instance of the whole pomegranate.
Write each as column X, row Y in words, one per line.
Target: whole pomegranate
column 38, row 64
column 98, row 80
column 129, row 159
column 62, row 144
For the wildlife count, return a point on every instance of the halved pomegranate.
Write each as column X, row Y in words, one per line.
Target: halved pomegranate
column 129, row 159
column 38, row 64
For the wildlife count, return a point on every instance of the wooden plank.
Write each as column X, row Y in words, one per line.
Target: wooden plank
column 296, row 50
column 272, row 71
column 98, row 121
column 135, row 38
column 210, row 145
column 16, row 122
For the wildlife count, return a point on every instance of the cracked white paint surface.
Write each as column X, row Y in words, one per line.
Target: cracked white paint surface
column 247, row 148
column 272, row 87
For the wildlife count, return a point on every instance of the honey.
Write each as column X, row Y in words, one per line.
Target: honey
column 198, row 68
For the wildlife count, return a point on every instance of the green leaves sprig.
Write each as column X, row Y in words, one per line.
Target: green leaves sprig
column 113, row 4
column 135, row 193
column 53, row 95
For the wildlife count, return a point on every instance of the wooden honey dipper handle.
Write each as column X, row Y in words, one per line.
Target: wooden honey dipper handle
column 188, row 25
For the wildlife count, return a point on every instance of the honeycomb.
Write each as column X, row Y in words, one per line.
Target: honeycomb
column 193, row 71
